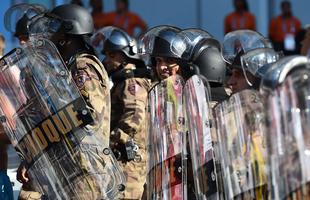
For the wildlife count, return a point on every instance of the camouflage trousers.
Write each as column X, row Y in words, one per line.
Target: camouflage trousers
column 92, row 182
column 28, row 192
column 135, row 174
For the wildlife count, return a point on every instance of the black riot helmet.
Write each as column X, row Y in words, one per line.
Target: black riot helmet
column 237, row 43
column 207, row 57
column 79, row 21
column 168, row 44
column 69, row 19
column 163, row 41
column 18, row 17
column 116, row 40
column 250, row 52
column 204, row 53
column 22, row 27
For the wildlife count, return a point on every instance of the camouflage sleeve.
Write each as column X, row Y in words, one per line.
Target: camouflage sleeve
column 134, row 96
column 94, row 87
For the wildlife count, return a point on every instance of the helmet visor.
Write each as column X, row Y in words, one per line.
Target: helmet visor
column 116, row 37
column 45, row 25
column 18, row 16
column 253, row 60
column 192, row 37
column 242, row 41
column 163, row 41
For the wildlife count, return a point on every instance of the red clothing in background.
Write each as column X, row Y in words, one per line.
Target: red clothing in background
column 279, row 27
column 236, row 21
column 128, row 21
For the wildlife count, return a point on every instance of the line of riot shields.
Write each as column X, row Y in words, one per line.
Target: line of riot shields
column 261, row 139
column 252, row 145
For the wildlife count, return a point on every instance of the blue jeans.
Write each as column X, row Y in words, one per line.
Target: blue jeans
column 6, row 190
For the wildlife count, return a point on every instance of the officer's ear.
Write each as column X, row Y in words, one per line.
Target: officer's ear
column 110, row 54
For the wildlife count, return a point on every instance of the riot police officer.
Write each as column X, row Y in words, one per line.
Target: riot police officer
column 69, row 28
column 20, row 31
column 241, row 119
column 246, row 75
column 285, row 88
column 165, row 48
column 204, row 53
column 167, row 171
column 202, row 92
column 131, row 82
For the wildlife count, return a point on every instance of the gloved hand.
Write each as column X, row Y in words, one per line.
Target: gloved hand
column 6, row 189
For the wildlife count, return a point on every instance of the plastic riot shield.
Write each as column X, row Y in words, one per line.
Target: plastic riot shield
column 166, row 168
column 287, row 108
column 241, row 133
column 196, row 99
column 51, row 126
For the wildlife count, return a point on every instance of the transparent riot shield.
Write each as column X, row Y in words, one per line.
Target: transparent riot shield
column 52, row 128
column 241, row 133
column 196, row 99
column 287, row 108
column 167, row 167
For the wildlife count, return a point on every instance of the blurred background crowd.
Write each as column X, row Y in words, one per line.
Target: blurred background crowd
column 217, row 17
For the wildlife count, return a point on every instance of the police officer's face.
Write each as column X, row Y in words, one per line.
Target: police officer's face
column 166, row 67
column 113, row 60
column 237, row 81
column 22, row 39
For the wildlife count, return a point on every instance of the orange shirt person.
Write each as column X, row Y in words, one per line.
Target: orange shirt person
column 124, row 19
column 99, row 17
column 241, row 18
column 284, row 27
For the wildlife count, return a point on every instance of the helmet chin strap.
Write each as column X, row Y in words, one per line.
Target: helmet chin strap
column 246, row 77
column 120, row 67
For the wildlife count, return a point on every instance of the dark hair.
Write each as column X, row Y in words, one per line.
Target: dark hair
column 285, row 2
column 126, row 2
column 245, row 4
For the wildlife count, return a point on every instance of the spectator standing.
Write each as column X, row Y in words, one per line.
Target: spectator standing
column 283, row 30
column 99, row 17
column 124, row 19
column 241, row 18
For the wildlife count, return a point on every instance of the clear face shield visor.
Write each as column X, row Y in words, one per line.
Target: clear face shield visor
column 46, row 25
column 257, row 61
column 18, row 16
column 242, row 41
column 162, row 40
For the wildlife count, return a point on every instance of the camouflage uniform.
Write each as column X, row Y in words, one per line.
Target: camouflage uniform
column 128, row 120
column 93, row 84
